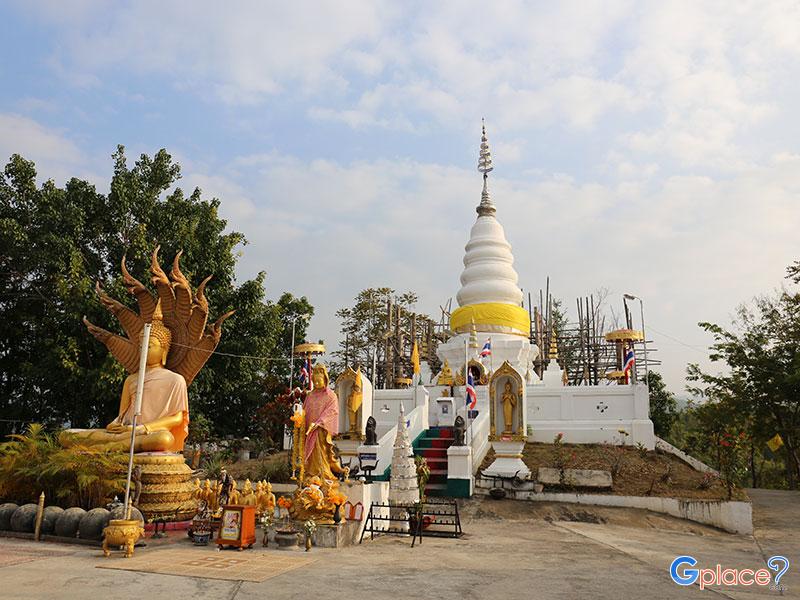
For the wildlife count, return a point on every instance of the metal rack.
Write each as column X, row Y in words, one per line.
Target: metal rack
column 431, row 518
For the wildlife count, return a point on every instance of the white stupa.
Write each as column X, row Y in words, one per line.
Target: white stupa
column 403, row 486
column 489, row 296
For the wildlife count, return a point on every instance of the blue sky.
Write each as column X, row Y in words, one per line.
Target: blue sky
column 642, row 147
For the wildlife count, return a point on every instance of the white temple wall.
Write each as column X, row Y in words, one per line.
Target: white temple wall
column 515, row 349
column 590, row 415
column 585, row 415
column 386, row 406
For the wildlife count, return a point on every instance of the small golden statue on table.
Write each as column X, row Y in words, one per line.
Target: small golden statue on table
column 316, row 466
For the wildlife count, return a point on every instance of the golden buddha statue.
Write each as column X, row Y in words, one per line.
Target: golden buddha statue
column 446, row 375
column 234, row 496
column 509, row 403
column 247, row 496
column 266, row 499
column 354, row 401
column 179, row 346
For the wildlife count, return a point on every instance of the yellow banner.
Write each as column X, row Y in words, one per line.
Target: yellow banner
column 775, row 443
column 415, row 358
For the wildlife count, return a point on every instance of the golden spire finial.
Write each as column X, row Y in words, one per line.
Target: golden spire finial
column 553, row 345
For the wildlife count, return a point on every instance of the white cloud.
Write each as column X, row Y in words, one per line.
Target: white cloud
column 243, row 56
column 56, row 156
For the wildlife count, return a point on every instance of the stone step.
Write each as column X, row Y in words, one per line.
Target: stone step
column 441, row 432
column 434, row 442
column 432, row 453
column 436, row 486
column 436, row 489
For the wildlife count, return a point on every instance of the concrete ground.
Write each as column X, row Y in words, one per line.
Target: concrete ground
column 510, row 550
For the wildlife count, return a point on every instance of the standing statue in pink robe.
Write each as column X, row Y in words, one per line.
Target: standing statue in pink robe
column 322, row 421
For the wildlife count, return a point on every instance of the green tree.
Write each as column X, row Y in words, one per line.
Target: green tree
column 761, row 391
column 365, row 330
column 663, row 407
column 55, row 243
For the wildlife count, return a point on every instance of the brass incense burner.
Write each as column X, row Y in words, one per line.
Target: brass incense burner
column 122, row 532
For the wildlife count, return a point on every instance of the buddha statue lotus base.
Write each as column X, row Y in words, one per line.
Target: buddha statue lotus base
column 508, row 460
column 166, row 490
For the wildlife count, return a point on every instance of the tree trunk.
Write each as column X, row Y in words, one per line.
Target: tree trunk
column 792, row 462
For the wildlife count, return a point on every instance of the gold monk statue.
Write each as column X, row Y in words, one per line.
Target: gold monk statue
column 180, row 344
column 248, row 495
column 509, row 403
column 354, row 401
column 266, row 499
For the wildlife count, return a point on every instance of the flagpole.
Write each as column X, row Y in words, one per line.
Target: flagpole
column 466, row 397
column 137, row 410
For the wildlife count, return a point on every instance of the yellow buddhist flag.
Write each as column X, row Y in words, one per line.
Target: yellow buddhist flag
column 775, row 443
column 415, row 358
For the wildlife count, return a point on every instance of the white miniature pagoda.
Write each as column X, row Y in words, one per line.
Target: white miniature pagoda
column 403, row 486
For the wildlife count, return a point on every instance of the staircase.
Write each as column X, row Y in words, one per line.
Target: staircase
column 433, row 445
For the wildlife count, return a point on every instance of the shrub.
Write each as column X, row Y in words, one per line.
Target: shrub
column 36, row 462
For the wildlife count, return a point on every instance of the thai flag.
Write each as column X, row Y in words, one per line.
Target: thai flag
column 472, row 397
column 630, row 360
column 303, row 376
column 487, row 349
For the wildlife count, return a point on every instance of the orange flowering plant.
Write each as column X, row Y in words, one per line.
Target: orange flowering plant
column 285, row 502
column 337, row 498
column 298, row 418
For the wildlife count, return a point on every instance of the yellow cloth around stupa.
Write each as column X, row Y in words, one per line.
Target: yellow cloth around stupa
column 491, row 317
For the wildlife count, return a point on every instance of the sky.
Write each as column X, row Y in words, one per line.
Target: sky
column 640, row 147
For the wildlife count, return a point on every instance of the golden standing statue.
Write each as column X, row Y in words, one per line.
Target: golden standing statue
column 354, row 401
column 318, row 484
column 321, row 408
column 509, row 403
column 180, row 344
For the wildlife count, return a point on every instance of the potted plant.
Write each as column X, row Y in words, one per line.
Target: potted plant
column 286, row 536
column 200, row 531
column 337, row 499
column 309, row 527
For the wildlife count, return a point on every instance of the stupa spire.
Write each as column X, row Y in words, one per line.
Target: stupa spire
column 486, row 207
column 489, row 294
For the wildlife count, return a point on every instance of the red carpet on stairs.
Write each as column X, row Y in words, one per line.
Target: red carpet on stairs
column 433, row 447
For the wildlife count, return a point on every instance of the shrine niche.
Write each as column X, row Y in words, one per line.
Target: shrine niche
column 506, row 404
column 355, row 404
column 480, row 374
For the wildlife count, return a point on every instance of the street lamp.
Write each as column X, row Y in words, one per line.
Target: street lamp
column 644, row 338
column 291, row 349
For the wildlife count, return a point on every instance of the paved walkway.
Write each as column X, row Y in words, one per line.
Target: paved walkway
column 511, row 550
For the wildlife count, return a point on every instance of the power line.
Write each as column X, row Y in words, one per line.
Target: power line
column 696, row 348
